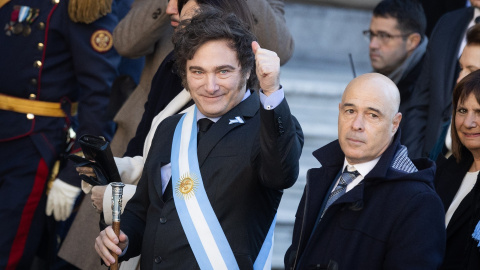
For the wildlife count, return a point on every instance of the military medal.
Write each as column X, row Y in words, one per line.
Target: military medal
column 32, row 15
column 17, row 28
column 13, row 18
column 21, row 14
column 27, row 30
column 9, row 28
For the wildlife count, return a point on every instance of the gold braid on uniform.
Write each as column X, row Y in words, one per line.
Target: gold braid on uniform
column 88, row 11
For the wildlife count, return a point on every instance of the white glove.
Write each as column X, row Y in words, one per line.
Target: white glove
column 61, row 199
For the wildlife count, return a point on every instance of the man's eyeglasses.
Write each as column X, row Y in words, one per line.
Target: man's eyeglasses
column 381, row 36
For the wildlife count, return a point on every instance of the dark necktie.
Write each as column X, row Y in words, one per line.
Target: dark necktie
column 203, row 125
column 346, row 178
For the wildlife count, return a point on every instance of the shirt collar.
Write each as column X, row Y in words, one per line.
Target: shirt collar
column 200, row 115
column 363, row 168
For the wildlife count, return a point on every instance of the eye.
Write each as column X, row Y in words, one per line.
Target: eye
column 461, row 111
column 373, row 115
column 223, row 72
column 349, row 111
column 382, row 35
column 196, row 71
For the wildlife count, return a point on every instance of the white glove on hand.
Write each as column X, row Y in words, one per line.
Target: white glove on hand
column 61, row 199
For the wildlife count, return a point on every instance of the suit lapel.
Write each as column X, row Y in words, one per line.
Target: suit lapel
column 160, row 152
column 157, row 180
column 245, row 110
column 450, row 179
column 461, row 216
column 447, row 185
column 462, row 24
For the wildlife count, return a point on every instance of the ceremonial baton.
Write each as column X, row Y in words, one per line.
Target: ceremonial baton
column 117, row 193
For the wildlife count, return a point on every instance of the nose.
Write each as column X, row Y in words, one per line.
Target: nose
column 172, row 7
column 374, row 42
column 357, row 123
column 471, row 120
column 211, row 84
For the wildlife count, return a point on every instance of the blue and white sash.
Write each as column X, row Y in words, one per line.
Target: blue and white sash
column 200, row 224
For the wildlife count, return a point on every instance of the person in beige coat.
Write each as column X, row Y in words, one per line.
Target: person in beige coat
column 135, row 36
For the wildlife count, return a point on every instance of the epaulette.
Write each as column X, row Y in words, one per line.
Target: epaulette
column 88, row 11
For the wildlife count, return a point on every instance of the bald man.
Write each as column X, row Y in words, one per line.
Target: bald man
column 369, row 206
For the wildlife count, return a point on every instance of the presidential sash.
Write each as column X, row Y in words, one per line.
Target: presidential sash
column 200, row 224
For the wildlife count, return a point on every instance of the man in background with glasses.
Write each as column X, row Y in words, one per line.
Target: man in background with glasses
column 398, row 43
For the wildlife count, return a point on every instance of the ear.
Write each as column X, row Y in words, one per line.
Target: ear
column 396, row 122
column 413, row 40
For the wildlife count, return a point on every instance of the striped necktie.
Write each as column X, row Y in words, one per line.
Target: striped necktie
column 346, row 178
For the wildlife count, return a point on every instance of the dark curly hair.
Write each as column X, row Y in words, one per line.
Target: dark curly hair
column 210, row 23
column 237, row 7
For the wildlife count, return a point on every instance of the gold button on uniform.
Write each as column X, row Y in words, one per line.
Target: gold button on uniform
column 32, row 96
column 55, row 2
column 30, row 116
column 40, row 46
column 37, row 64
column 41, row 25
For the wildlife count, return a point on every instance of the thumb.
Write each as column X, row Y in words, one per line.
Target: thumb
column 255, row 47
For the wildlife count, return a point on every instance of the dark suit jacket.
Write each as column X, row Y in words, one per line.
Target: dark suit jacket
column 432, row 98
column 406, row 86
column 434, row 9
column 462, row 251
column 244, row 168
column 391, row 220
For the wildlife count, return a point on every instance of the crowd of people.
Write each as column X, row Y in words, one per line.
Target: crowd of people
column 188, row 94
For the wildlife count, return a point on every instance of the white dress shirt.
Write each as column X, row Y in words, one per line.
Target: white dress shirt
column 467, row 185
column 362, row 168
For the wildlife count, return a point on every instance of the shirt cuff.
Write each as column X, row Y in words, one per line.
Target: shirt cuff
column 123, row 252
column 273, row 100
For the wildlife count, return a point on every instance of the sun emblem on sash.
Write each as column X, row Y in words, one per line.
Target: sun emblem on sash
column 187, row 186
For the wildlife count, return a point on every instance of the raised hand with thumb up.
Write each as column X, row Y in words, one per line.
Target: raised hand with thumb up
column 268, row 69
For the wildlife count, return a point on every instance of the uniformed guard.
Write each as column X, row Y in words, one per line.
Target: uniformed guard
column 56, row 69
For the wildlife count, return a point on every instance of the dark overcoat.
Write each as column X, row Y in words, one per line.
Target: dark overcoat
column 391, row 220
column 462, row 251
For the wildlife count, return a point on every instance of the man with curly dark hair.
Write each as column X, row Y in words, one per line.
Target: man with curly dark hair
column 209, row 199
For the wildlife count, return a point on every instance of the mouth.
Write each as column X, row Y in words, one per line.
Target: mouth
column 355, row 141
column 374, row 56
column 471, row 135
column 174, row 23
column 212, row 98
